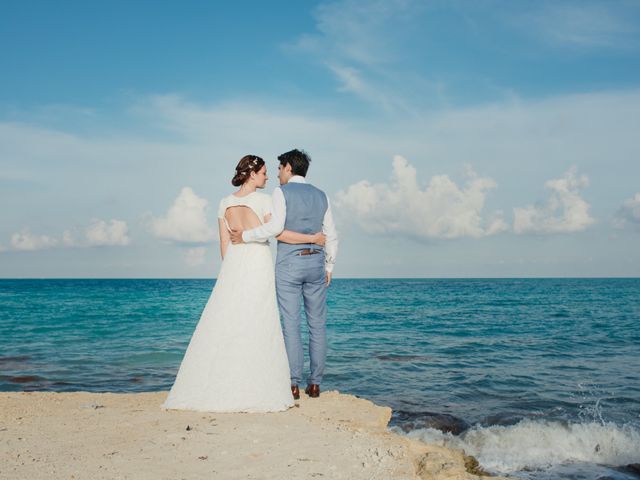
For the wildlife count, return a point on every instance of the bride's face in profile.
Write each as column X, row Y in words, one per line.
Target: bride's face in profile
column 260, row 177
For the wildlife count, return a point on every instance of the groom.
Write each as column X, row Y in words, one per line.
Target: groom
column 301, row 270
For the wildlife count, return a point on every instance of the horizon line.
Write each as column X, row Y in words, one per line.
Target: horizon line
column 603, row 277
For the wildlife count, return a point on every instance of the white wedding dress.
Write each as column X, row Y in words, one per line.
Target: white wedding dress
column 236, row 360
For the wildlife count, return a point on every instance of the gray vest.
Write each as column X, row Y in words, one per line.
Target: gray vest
column 306, row 206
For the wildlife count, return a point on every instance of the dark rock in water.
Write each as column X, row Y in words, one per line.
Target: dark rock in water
column 136, row 379
column 439, row 421
column 472, row 466
column 25, row 379
column 502, row 419
column 634, row 468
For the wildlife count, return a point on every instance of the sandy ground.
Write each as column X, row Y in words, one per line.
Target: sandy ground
column 84, row 435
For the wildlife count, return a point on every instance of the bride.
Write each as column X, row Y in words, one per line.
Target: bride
column 236, row 359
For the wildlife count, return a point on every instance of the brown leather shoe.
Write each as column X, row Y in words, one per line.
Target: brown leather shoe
column 295, row 391
column 313, row 390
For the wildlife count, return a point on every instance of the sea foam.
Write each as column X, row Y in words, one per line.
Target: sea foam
column 539, row 445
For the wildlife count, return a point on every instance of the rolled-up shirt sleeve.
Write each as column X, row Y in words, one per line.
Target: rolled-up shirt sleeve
column 273, row 227
column 331, row 243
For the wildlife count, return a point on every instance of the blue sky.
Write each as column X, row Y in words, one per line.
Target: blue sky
column 455, row 138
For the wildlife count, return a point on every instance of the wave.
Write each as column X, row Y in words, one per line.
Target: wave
column 539, row 445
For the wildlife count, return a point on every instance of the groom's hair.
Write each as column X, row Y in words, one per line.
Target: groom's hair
column 298, row 159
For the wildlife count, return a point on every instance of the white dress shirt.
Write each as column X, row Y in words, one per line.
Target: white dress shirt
column 275, row 226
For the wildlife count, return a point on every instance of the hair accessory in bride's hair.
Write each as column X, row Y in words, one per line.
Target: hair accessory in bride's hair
column 247, row 165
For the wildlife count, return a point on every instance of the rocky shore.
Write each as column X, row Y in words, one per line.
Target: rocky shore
column 128, row 436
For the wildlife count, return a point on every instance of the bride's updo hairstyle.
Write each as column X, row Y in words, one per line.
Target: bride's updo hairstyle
column 246, row 165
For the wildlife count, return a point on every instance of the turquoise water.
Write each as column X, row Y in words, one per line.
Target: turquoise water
column 538, row 378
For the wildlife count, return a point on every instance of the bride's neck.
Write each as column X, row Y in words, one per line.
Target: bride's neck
column 246, row 189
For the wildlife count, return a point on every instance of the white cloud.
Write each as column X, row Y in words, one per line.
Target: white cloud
column 26, row 241
column 359, row 43
column 349, row 30
column 69, row 239
column 522, row 143
column 353, row 81
column 185, row 221
column 99, row 233
column 195, row 256
column 441, row 210
column 584, row 25
column 565, row 210
column 628, row 213
column 113, row 233
column 387, row 52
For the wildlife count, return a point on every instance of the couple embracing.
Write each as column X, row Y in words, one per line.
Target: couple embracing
column 238, row 359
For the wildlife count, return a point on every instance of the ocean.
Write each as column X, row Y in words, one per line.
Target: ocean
column 537, row 378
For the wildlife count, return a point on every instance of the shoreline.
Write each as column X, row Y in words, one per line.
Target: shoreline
column 129, row 436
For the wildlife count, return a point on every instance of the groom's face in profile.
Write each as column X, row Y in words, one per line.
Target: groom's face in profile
column 284, row 173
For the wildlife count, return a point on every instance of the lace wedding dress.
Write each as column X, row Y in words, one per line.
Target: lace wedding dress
column 236, row 360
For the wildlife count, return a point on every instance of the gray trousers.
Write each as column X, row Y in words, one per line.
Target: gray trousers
column 303, row 277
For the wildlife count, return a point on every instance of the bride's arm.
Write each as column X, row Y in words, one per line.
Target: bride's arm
column 287, row 236
column 224, row 237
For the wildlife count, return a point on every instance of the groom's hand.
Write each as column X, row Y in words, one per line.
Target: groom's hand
column 328, row 279
column 236, row 236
